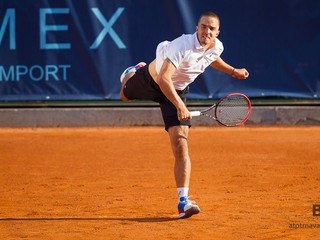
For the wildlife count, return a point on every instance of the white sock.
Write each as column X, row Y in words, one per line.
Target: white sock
column 182, row 192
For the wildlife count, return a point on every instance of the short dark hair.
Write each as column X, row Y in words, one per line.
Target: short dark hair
column 209, row 14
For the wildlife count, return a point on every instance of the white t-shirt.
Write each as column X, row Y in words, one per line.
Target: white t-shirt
column 188, row 56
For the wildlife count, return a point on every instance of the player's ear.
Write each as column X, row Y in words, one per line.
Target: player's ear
column 217, row 34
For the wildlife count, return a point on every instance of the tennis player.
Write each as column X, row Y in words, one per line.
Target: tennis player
column 166, row 79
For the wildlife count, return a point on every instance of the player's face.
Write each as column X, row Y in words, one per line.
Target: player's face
column 207, row 31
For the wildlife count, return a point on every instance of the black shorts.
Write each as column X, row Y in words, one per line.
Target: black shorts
column 141, row 86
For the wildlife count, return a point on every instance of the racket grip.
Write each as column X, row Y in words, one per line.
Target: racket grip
column 195, row 113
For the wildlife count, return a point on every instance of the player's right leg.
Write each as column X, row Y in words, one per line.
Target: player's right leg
column 126, row 75
column 123, row 83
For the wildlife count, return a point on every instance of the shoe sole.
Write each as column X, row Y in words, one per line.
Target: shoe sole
column 130, row 69
column 192, row 211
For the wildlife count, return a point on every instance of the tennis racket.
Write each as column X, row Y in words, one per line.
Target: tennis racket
column 231, row 110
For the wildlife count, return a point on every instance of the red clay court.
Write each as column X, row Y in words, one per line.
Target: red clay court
column 117, row 183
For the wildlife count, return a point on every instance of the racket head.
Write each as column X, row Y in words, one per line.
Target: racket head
column 233, row 110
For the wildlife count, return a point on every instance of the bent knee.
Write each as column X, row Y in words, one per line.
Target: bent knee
column 123, row 97
column 124, row 81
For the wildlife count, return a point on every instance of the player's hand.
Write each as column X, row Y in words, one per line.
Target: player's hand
column 241, row 73
column 183, row 113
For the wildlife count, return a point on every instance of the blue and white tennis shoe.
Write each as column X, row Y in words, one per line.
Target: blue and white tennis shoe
column 187, row 208
column 132, row 69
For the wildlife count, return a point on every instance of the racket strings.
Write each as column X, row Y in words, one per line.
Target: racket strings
column 232, row 110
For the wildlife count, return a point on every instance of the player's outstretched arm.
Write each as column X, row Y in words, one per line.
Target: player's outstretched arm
column 239, row 73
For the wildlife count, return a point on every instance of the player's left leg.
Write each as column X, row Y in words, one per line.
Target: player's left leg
column 179, row 144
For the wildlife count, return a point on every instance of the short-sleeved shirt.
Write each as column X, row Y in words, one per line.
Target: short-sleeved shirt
column 188, row 56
